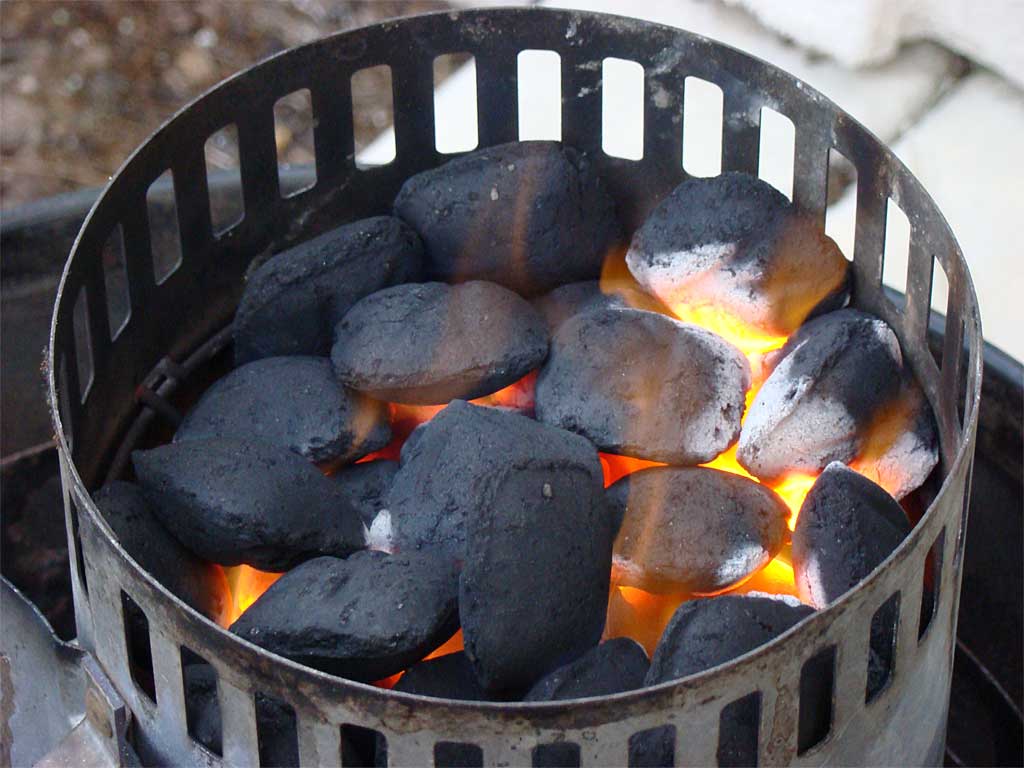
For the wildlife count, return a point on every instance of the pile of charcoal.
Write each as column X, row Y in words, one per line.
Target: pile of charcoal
column 492, row 516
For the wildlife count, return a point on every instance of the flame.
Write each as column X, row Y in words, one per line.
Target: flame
column 745, row 337
column 616, row 467
column 246, row 584
column 453, row 644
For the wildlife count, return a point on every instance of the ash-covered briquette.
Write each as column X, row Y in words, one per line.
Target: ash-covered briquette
column 278, row 742
column 234, row 502
column 528, row 215
column 575, row 298
column 363, row 618
column 734, row 243
column 365, row 486
column 450, row 475
column 641, row 384
column 613, row 666
column 446, row 677
column 816, row 406
column 914, row 452
column 292, row 402
column 533, row 591
column 292, row 301
column 197, row 582
column 847, row 526
column 693, row 530
column 428, row 343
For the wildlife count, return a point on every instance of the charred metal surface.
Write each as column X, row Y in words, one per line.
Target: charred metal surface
column 97, row 422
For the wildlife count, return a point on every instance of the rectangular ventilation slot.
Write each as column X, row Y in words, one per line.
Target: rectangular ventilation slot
column 622, row 108
column 64, row 398
column 373, row 116
column 702, row 127
column 363, row 747
column 817, row 679
column 455, row 111
column 202, row 704
column 76, row 542
column 738, row 728
column 293, row 137
column 940, row 299
column 540, row 95
column 896, row 255
column 224, row 177
column 931, row 579
column 83, row 343
column 778, row 147
column 841, row 204
column 115, row 279
column 140, row 652
column 562, row 754
column 653, row 747
column 882, row 648
column 454, row 754
column 277, row 733
column 164, row 231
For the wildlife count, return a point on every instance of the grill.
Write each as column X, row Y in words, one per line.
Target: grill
column 110, row 384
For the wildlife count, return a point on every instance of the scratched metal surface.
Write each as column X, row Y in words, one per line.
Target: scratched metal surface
column 94, row 386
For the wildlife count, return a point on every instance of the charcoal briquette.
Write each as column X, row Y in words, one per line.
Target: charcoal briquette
column 614, row 666
column 445, row 677
column 365, row 486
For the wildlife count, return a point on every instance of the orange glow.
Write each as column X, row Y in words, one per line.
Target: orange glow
column 776, row 578
column 246, row 585
column 615, row 466
column 793, row 488
column 892, row 421
column 747, row 339
column 518, row 395
column 452, row 645
column 640, row 615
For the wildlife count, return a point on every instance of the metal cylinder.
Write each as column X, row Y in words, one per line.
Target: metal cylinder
column 102, row 374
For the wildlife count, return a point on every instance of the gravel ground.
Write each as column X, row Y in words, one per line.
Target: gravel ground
column 83, row 83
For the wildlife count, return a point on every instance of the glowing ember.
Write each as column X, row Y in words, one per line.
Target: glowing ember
column 453, row 644
column 246, row 585
column 744, row 337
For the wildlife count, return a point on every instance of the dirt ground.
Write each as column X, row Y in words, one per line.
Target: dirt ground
column 83, row 83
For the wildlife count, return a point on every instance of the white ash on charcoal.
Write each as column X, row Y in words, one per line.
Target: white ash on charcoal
column 362, row 618
column 693, row 530
column 450, row 475
column 292, row 302
column 613, row 666
column 822, row 396
column 198, row 583
column 575, row 298
column 735, row 244
column 365, row 486
column 429, row 343
column 528, row 215
column 846, row 527
column 292, row 402
column 641, row 384
column 533, row 592
column 277, row 733
column 234, row 503
column 711, row 631
column 445, row 677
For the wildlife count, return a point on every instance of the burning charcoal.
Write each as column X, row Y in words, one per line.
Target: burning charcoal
column 822, row 395
column 363, row 618
column 711, row 631
column 575, row 298
column 644, row 385
column 613, row 667
column 278, row 744
column 292, row 302
column 693, row 530
column 429, row 343
column 293, row 402
column 533, row 592
column 233, row 502
column 365, row 485
column 445, row 677
column 128, row 513
column 902, row 446
column 733, row 243
column 847, row 526
column 451, row 473
column 528, row 215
